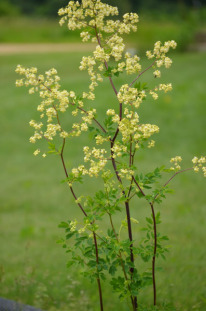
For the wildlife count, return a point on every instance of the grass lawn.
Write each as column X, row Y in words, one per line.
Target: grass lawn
column 23, row 29
column 33, row 201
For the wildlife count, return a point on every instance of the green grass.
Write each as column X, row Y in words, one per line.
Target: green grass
column 37, row 30
column 33, row 201
column 34, row 30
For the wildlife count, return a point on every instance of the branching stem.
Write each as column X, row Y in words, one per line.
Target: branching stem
column 141, row 73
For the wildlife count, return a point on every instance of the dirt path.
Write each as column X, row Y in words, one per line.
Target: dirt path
column 19, row 48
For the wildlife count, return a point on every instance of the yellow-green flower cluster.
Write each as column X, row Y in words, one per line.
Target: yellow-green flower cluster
column 176, row 162
column 86, row 119
column 37, row 151
column 165, row 87
column 73, row 225
column 151, row 144
column 110, row 112
column 198, row 164
column 100, row 139
column 132, row 64
column 92, row 14
column 116, row 46
column 91, row 156
column 159, row 52
column 74, row 14
column 48, row 88
column 126, row 173
column 53, row 101
column 96, row 159
column 157, row 73
column 130, row 96
column 89, row 63
column 129, row 126
column 162, row 87
column 92, row 17
column 148, row 130
column 117, row 149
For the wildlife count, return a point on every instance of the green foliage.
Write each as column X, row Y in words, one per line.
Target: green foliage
column 7, row 9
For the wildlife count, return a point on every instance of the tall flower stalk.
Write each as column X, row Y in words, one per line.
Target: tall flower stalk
column 117, row 139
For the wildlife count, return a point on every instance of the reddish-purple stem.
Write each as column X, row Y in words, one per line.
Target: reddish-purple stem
column 141, row 73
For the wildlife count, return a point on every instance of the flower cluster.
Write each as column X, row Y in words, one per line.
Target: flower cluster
column 162, row 87
column 96, row 159
column 92, row 14
column 82, row 126
column 53, row 101
column 73, row 225
column 151, row 144
column 49, row 90
column 132, row 64
column 130, row 96
column 90, row 64
column 118, row 149
column 148, row 130
column 129, row 127
column 74, row 14
column 159, row 52
column 198, row 164
column 100, row 139
column 176, row 160
column 126, row 173
column 116, row 46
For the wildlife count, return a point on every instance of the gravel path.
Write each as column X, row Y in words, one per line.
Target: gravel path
column 10, row 305
column 19, row 48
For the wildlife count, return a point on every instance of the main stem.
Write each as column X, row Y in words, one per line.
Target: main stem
column 154, row 255
column 135, row 305
column 155, row 244
column 134, row 299
column 98, row 279
column 120, row 255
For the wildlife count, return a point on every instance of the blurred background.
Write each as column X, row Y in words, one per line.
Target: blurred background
column 36, row 21
column 32, row 199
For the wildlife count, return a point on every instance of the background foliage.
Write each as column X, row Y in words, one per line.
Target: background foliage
column 50, row 7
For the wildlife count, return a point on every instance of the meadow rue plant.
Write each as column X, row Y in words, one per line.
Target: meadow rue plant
column 117, row 139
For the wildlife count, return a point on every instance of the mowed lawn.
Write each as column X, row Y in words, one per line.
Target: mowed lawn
column 33, row 201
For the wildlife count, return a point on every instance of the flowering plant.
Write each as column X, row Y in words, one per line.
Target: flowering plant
column 116, row 141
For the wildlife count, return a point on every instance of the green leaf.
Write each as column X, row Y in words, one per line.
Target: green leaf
column 149, row 220
column 112, row 270
column 164, row 237
column 69, row 235
column 140, row 194
column 108, row 72
column 60, row 241
column 63, row 224
column 70, row 263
